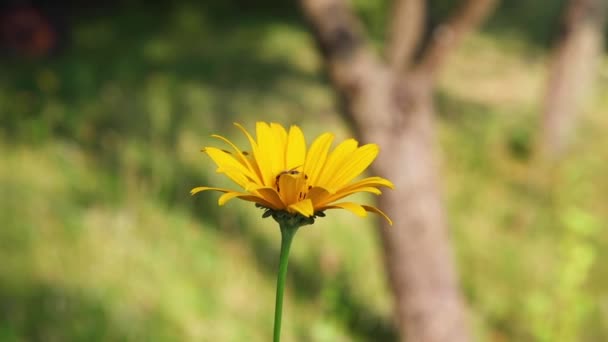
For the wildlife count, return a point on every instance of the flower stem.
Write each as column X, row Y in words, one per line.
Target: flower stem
column 288, row 231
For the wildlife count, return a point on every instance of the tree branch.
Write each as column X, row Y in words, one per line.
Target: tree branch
column 448, row 36
column 583, row 12
column 405, row 32
column 350, row 61
column 577, row 55
column 338, row 32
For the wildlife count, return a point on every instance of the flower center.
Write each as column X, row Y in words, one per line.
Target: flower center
column 292, row 185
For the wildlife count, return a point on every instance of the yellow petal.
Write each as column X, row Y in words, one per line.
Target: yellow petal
column 236, row 176
column 242, row 158
column 225, row 161
column 369, row 181
column 249, row 137
column 318, row 195
column 244, row 196
column 270, row 195
column 354, row 208
column 261, row 159
column 317, row 156
column 280, row 138
column 303, row 207
column 279, row 132
column 379, row 212
column 230, row 194
column 295, row 153
column 341, row 194
column 335, row 161
column 254, row 165
column 291, row 188
column 353, row 166
column 272, row 151
column 227, row 197
column 256, row 199
column 205, row 188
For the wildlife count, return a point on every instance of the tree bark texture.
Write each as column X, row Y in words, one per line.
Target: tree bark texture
column 390, row 103
column 576, row 57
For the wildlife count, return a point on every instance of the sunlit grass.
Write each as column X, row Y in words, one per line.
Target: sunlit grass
column 154, row 272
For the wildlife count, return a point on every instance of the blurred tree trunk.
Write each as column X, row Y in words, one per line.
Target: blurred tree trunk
column 576, row 57
column 391, row 103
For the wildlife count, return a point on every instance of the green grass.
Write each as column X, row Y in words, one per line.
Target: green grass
column 85, row 259
column 100, row 239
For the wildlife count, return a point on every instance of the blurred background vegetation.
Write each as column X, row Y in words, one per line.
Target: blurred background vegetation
column 99, row 146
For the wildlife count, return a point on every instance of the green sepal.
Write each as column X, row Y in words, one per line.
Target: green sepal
column 285, row 217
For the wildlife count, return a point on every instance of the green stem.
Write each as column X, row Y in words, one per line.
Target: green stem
column 287, row 233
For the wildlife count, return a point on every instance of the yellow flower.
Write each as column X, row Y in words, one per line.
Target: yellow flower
column 282, row 175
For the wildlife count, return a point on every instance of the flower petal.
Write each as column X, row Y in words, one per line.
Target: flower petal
column 341, row 194
column 335, row 161
column 354, row 208
column 379, row 212
column 369, row 181
column 270, row 195
column 259, row 200
column 353, row 166
column 318, row 195
column 230, row 194
column 244, row 196
column 205, row 188
column 237, row 177
column 261, row 159
column 280, row 138
column 254, row 145
column 227, row 164
column 279, row 132
column 272, row 152
column 242, row 158
column 295, row 152
column 317, row 156
column 303, row 207
column 291, row 188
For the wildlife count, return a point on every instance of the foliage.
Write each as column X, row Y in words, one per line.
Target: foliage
column 99, row 147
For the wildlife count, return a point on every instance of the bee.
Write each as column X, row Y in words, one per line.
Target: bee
column 293, row 171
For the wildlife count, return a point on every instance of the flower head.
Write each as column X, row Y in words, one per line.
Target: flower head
column 284, row 176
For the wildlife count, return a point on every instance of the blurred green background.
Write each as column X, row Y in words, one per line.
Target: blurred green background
column 99, row 147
